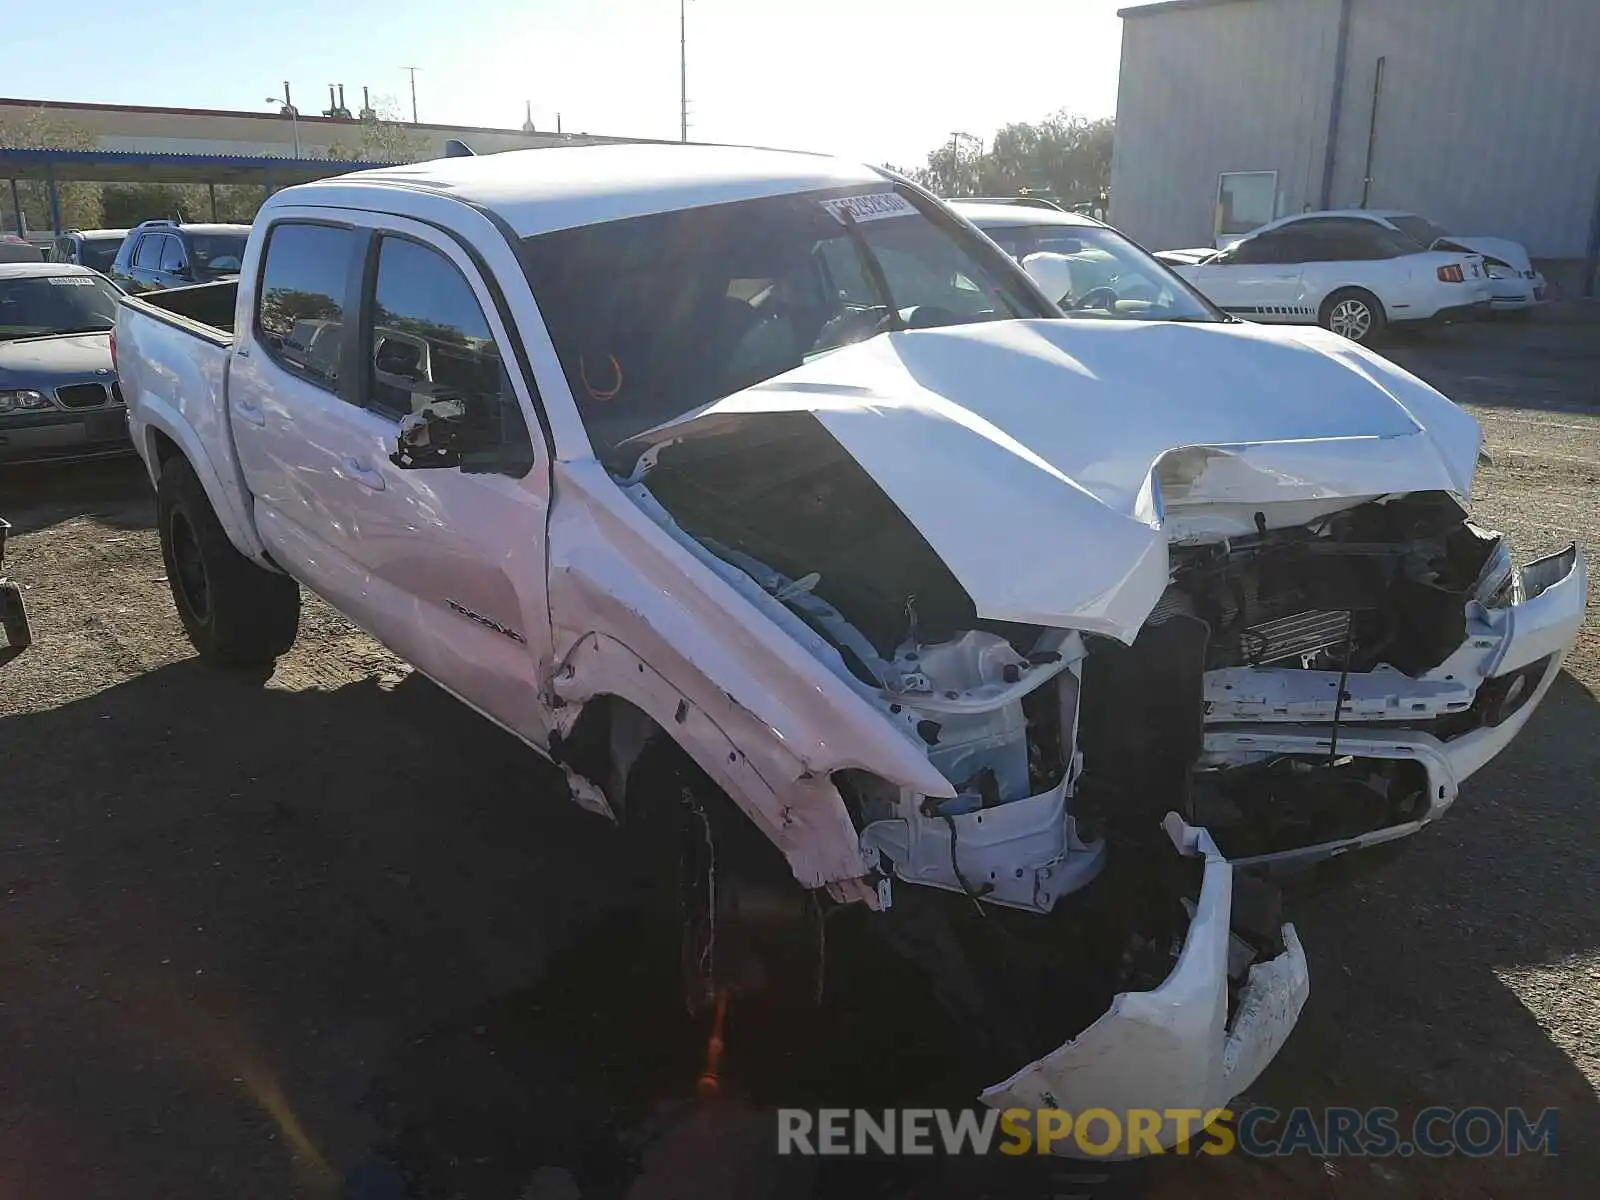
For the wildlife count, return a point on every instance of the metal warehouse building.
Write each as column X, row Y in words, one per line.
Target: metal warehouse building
column 1481, row 114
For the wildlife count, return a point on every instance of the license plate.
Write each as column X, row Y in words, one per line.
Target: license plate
column 106, row 427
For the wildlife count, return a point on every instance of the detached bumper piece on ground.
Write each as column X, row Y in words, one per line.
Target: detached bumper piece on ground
column 13, row 613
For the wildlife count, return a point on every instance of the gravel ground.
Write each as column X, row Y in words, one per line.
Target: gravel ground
column 251, row 930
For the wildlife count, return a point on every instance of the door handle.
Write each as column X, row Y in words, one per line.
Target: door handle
column 363, row 474
column 250, row 412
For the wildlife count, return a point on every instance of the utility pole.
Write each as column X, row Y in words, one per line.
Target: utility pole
column 413, row 71
column 683, row 71
column 956, row 137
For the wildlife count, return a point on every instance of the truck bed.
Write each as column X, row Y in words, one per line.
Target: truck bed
column 173, row 351
column 205, row 309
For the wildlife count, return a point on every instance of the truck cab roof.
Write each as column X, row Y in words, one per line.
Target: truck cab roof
column 561, row 187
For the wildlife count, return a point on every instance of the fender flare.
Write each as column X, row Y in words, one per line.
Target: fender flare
column 800, row 812
column 157, row 416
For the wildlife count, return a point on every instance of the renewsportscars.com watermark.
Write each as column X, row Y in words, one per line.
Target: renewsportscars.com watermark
column 1259, row 1132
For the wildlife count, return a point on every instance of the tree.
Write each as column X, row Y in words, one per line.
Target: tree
column 380, row 137
column 126, row 204
column 1065, row 156
column 41, row 129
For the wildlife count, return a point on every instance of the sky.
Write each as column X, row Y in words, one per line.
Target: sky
column 877, row 80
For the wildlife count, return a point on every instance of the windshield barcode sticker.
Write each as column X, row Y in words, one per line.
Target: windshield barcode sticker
column 874, row 207
column 70, row 280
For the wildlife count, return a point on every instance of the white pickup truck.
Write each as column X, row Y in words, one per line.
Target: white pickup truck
column 774, row 503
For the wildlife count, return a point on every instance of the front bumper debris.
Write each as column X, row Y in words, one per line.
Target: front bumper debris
column 1174, row 1049
column 15, row 635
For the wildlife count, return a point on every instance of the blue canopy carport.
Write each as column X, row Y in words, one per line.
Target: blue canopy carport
column 56, row 167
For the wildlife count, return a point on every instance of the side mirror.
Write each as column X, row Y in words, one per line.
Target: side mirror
column 431, row 438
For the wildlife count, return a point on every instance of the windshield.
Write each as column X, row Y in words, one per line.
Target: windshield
column 1419, row 229
column 1100, row 273
column 99, row 253
column 216, row 253
column 48, row 304
column 654, row 316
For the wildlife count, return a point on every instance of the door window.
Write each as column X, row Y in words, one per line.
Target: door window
column 1246, row 200
column 300, row 302
column 172, row 260
column 1275, row 246
column 148, row 253
column 1349, row 239
column 431, row 347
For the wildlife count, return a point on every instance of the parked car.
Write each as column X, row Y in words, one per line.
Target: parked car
column 92, row 248
column 782, row 511
column 1353, row 276
column 1515, row 286
column 1087, row 267
column 1012, row 201
column 165, row 254
column 58, row 394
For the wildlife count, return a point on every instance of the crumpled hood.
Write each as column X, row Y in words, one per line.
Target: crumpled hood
column 1041, row 460
column 44, row 362
column 1513, row 254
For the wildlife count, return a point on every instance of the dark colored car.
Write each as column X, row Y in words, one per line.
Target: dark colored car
column 92, row 248
column 58, row 389
column 164, row 254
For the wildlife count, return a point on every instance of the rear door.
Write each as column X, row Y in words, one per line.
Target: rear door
column 291, row 401
column 144, row 268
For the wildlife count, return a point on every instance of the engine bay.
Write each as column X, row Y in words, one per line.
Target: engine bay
column 1059, row 743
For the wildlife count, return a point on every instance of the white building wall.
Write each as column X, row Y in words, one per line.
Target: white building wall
column 1488, row 122
column 1488, row 119
column 1229, row 87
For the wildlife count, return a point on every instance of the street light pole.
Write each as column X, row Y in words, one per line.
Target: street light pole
column 294, row 114
column 683, row 71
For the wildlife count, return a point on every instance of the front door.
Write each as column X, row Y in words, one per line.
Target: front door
column 1258, row 278
column 446, row 566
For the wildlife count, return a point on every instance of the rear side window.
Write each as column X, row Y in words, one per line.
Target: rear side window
column 148, row 254
column 1345, row 239
column 172, row 255
column 300, row 299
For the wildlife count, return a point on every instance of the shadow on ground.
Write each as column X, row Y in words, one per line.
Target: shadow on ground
column 286, row 933
column 114, row 491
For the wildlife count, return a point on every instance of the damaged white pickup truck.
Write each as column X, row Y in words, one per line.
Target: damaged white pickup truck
column 751, row 483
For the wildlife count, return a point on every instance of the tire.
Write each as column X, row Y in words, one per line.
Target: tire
column 703, row 864
column 236, row 613
column 1354, row 314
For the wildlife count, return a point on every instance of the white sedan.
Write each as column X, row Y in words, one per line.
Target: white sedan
column 1354, row 276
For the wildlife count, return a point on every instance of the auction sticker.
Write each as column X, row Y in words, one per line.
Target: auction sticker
column 70, row 280
column 875, row 206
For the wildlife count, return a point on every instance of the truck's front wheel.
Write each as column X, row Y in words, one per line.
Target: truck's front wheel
column 235, row 613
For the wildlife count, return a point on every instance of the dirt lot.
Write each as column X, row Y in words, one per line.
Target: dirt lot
column 255, row 931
